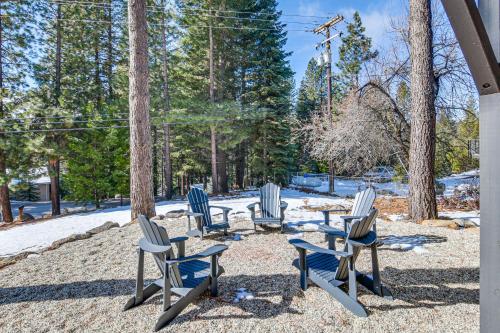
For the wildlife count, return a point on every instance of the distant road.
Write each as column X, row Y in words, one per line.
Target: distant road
column 40, row 208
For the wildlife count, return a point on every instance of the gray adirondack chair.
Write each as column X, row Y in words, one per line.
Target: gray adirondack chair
column 200, row 209
column 363, row 202
column 187, row 277
column 331, row 270
column 272, row 208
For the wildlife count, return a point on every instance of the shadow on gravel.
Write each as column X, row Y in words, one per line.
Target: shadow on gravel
column 412, row 240
column 431, row 287
column 273, row 295
column 62, row 291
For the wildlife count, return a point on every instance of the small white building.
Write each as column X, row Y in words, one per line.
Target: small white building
column 43, row 185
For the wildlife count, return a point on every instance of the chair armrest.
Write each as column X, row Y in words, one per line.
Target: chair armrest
column 335, row 211
column 331, row 231
column 222, row 207
column 368, row 240
column 188, row 213
column 349, row 218
column 302, row 244
column 252, row 205
column 211, row 251
column 153, row 248
column 179, row 239
column 283, row 204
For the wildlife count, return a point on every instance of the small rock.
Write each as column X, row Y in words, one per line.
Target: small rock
column 33, row 255
column 420, row 249
column 464, row 223
column 295, row 236
column 438, row 223
column 310, row 227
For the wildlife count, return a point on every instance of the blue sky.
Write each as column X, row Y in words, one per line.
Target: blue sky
column 375, row 14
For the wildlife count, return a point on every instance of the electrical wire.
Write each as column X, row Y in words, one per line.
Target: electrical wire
column 112, row 127
column 104, row 4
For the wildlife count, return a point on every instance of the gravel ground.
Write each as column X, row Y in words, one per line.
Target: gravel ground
column 82, row 286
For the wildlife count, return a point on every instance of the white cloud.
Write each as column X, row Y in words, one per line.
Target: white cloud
column 309, row 8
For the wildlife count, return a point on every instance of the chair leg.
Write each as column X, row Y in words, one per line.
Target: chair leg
column 352, row 275
column 326, row 216
column 375, row 271
column 213, row 276
column 141, row 293
column 166, row 288
column 303, row 269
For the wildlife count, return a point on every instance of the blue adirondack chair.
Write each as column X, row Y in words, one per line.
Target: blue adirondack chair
column 335, row 271
column 187, row 277
column 272, row 208
column 200, row 209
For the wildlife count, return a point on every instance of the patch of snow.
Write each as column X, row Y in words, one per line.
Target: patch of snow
column 38, row 236
column 407, row 243
column 420, row 249
column 296, row 235
column 242, row 294
column 396, row 217
column 310, row 227
column 472, row 216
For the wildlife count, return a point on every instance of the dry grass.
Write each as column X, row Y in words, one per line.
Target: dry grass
column 83, row 285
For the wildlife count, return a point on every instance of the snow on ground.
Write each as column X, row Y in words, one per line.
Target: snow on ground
column 472, row 216
column 458, row 180
column 407, row 243
column 40, row 208
column 350, row 186
column 37, row 236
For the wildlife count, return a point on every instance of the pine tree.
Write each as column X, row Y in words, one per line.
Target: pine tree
column 353, row 52
column 271, row 153
column 311, row 91
column 15, row 36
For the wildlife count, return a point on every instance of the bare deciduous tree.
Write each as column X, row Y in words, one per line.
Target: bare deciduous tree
column 356, row 140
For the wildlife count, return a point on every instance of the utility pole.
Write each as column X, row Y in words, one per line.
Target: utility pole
column 325, row 28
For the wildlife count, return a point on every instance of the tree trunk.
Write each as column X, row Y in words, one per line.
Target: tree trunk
column 213, row 133
column 155, row 160
column 54, row 168
column 54, row 162
column 222, row 172
column 141, row 178
column 240, row 165
column 422, row 200
column 109, row 69
column 167, row 162
column 4, row 188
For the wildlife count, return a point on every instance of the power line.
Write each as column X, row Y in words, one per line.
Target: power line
column 190, row 26
column 112, row 127
column 104, row 4
column 224, row 16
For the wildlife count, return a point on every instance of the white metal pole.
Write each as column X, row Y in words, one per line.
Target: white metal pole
column 490, row 184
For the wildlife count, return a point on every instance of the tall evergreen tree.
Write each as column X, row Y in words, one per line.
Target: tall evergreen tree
column 15, row 35
column 355, row 49
column 311, row 91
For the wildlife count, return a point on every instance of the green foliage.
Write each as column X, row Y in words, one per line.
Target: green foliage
column 453, row 135
column 25, row 191
column 311, row 92
column 353, row 52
